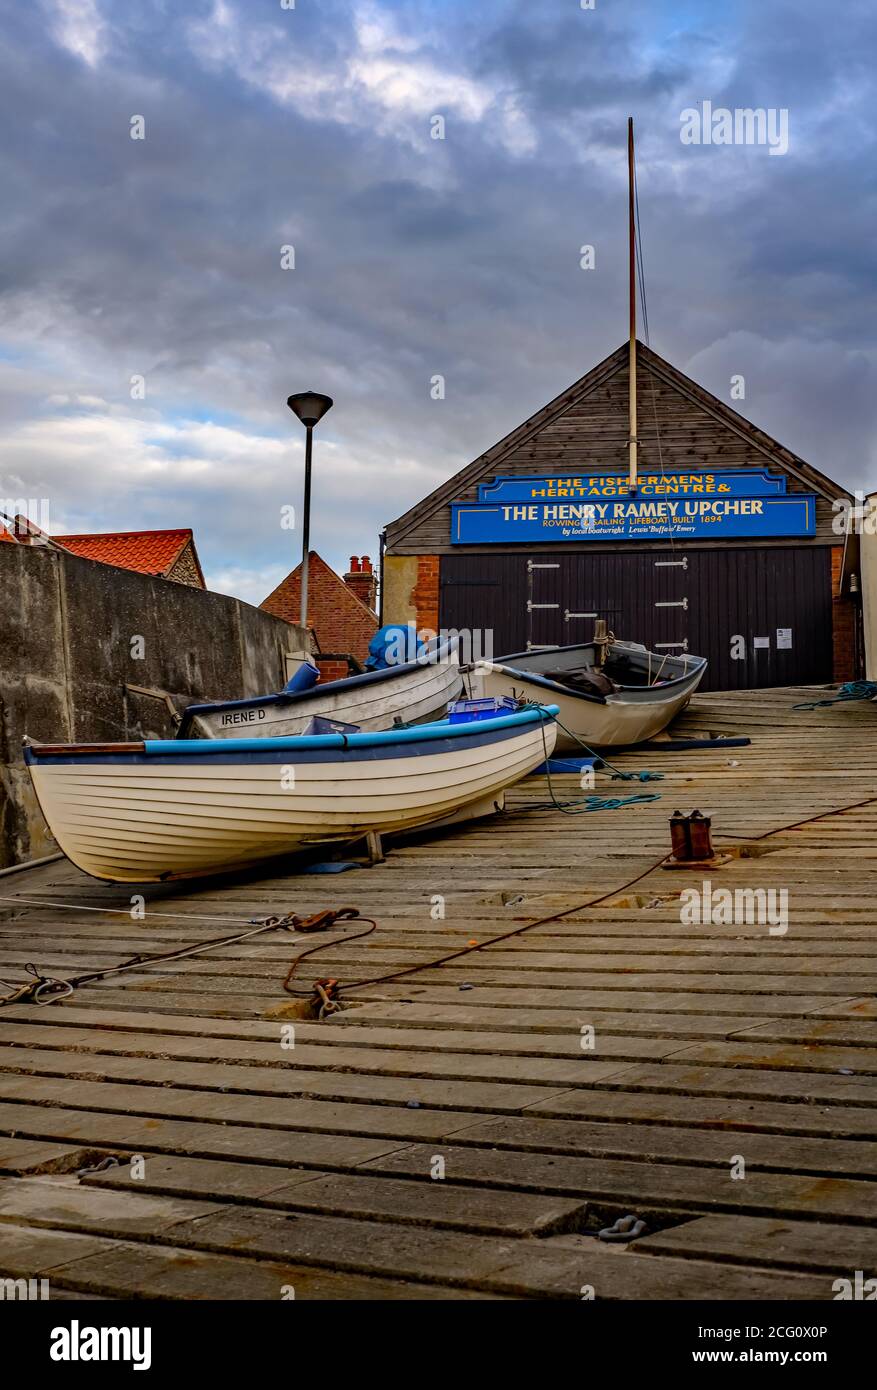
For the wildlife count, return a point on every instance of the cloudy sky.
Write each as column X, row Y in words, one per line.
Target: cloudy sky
column 311, row 127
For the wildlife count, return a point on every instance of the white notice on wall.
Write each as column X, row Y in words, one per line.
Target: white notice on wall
column 761, row 642
column 784, row 639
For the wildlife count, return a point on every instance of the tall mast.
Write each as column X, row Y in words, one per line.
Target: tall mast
column 632, row 442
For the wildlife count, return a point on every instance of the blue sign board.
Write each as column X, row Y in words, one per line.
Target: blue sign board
column 586, row 487
column 520, row 510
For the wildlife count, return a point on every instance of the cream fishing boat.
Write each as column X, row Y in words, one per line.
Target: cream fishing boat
column 608, row 693
column 416, row 691
column 166, row 809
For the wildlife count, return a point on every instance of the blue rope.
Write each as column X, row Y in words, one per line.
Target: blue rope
column 852, row 690
column 591, row 802
column 617, row 774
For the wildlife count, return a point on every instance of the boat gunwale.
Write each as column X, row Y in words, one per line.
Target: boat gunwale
column 430, row 660
column 36, row 754
column 667, row 688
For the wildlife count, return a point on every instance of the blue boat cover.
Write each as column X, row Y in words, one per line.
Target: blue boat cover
column 304, row 679
column 393, row 645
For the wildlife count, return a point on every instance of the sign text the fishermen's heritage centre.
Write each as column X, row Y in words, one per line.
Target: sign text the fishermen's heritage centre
column 598, row 506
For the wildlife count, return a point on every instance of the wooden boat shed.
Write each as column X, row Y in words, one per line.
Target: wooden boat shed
column 728, row 549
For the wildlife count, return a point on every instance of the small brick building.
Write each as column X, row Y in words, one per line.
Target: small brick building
column 341, row 611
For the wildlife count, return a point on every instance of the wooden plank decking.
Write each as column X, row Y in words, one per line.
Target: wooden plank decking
column 268, row 1168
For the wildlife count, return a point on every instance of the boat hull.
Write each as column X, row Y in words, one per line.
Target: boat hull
column 417, row 693
column 630, row 716
column 178, row 810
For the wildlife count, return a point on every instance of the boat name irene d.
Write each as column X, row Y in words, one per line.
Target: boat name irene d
column 415, row 691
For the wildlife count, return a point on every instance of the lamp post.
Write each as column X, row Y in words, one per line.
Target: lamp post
column 310, row 407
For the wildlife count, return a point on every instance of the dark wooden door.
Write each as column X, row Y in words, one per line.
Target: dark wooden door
column 762, row 616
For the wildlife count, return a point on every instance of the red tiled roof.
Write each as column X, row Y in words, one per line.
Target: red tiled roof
column 147, row 552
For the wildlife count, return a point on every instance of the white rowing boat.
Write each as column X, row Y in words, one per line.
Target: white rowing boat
column 417, row 691
column 630, row 696
column 166, row 809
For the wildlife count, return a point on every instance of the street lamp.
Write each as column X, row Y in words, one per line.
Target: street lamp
column 310, row 407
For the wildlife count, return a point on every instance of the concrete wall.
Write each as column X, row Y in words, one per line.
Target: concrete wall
column 71, row 634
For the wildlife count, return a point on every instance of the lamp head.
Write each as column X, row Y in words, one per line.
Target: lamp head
column 309, row 406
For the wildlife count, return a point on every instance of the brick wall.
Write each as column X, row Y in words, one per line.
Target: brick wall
column 845, row 618
column 362, row 581
column 332, row 669
column 425, row 596
column 341, row 621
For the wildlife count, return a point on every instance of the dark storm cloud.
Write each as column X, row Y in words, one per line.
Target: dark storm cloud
column 414, row 257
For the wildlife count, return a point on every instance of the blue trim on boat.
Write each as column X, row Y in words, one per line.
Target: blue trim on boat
column 331, row 748
column 302, row 697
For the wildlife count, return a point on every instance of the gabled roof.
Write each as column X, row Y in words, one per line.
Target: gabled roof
column 489, row 462
column 146, row 552
column 338, row 617
column 287, row 595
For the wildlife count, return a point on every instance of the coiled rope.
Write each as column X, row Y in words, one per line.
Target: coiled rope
column 593, row 801
column 46, row 989
column 852, row 690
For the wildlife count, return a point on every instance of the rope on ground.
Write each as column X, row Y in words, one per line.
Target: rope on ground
column 126, row 911
column 540, row 921
column 852, row 690
column 46, row 989
column 592, row 802
column 617, row 773
column 465, row 950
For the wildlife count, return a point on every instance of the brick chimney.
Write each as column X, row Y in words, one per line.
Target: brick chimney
column 361, row 580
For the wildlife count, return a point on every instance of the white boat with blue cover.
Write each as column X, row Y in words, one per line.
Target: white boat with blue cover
column 416, row 691
column 166, row 809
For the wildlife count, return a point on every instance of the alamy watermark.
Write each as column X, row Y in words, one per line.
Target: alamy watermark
column 78, row 1343
column 24, row 517
column 856, row 515
column 23, row 1290
column 745, row 125
column 858, row 1288
column 410, row 643
column 735, row 907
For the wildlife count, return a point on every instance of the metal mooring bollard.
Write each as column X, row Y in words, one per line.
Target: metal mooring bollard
column 690, row 842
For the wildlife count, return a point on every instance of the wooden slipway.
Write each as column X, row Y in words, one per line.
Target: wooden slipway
column 269, row 1168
